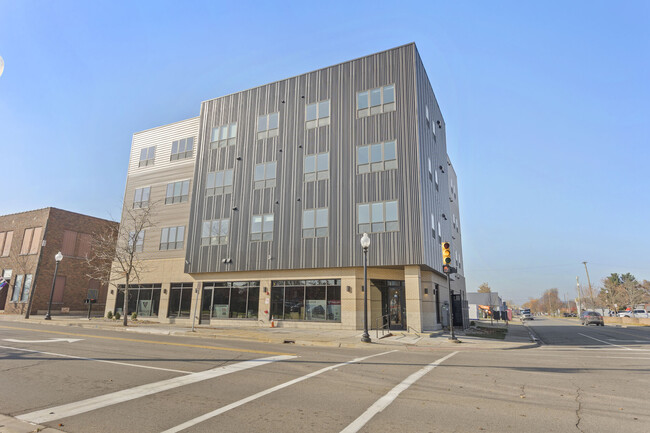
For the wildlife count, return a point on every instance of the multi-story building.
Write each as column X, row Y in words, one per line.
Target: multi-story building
column 29, row 242
column 263, row 198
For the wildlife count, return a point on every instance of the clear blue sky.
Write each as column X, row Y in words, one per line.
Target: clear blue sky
column 546, row 105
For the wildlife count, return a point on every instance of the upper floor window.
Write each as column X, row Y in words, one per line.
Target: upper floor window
column 378, row 217
column 433, row 227
column 262, row 228
column 439, row 233
column 430, row 172
column 225, row 135
column 31, row 240
column 177, row 192
column 141, row 197
column 147, row 156
column 317, row 167
column 5, row 243
column 265, row 175
column 219, row 182
column 136, row 242
column 376, row 157
column 268, row 125
column 171, row 238
column 317, row 114
column 435, row 175
column 182, row 149
column 76, row 244
column 426, row 114
column 215, row 232
column 314, row 223
column 375, row 101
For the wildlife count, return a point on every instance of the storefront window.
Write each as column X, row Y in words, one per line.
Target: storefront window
column 180, row 300
column 311, row 300
column 231, row 300
column 144, row 299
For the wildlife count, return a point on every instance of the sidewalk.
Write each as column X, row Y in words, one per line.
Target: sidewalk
column 517, row 336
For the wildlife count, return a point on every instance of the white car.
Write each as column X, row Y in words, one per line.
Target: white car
column 527, row 316
column 638, row 313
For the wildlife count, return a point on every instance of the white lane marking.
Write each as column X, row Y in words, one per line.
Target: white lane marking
column 51, row 340
column 629, row 341
column 97, row 360
column 70, row 409
column 383, row 402
column 612, row 344
column 260, row 394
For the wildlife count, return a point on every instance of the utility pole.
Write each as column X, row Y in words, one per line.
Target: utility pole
column 578, row 290
column 591, row 293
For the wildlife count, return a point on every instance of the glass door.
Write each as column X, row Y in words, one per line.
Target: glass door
column 206, row 306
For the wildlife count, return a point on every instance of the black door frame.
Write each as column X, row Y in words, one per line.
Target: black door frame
column 385, row 287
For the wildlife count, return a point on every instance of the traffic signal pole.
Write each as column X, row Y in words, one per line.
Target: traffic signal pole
column 451, row 309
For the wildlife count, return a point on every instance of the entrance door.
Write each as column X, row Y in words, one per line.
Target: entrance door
column 458, row 310
column 393, row 303
column 206, row 306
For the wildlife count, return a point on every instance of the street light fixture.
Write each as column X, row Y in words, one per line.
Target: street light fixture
column 58, row 259
column 365, row 244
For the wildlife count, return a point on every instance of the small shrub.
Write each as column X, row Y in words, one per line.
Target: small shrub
column 109, row 315
column 472, row 323
column 117, row 316
column 134, row 316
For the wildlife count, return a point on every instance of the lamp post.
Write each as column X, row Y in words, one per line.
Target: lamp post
column 58, row 259
column 365, row 244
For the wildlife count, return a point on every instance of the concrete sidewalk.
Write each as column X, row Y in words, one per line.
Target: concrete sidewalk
column 516, row 337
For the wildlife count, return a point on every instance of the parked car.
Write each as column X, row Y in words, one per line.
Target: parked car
column 527, row 316
column 589, row 317
column 638, row 313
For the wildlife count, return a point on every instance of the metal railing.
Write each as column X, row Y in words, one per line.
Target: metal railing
column 385, row 325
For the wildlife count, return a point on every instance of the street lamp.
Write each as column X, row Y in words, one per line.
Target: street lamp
column 58, row 259
column 365, row 243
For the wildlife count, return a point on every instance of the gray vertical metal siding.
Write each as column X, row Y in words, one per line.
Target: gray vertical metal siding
column 341, row 193
column 433, row 200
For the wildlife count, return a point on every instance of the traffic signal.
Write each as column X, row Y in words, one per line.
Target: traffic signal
column 446, row 254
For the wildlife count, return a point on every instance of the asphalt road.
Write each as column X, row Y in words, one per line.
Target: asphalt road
column 587, row 379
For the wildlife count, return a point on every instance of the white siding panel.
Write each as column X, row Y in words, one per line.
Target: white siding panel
column 162, row 137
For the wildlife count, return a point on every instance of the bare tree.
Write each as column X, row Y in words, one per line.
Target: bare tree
column 484, row 288
column 24, row 264
column 121, row 248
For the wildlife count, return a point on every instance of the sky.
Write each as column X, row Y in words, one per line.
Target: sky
column 545, row 104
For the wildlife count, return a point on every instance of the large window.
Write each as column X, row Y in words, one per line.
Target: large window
column 317, row 114
column 268, row 126
column 215, row 232
column 317, row 167
column 18, row 286
column 31, row 240
column 313, row 300
column 137, row 242
column 5, row 243
column 171, row 238
column 314, row 223
column 182, row 149
column 231, row 300
column 378, row 217
column 144, row 299
column 180, row 300
column 147, row 156
column 376, row 157
column 177, row 192
column 265, row 175
column 219, row 182
column 141, row 197
column 262, row 228
column 375, row 101
column 225, row 135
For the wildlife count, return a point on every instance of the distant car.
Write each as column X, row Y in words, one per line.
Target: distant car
column 527, row 316
column 638, row 313
column 589, row 317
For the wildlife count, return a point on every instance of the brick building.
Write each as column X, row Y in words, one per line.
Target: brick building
column 28, row 243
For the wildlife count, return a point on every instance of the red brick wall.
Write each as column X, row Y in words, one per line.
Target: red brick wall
column 74, row 269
